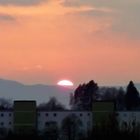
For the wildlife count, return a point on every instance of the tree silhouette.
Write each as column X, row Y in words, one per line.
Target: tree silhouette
column 52, row 104
column 120, row 99
column 132, row 97
column 84, row 96
column 5, row 103
column 71, row 127
column 51, row 131
column 110, row 93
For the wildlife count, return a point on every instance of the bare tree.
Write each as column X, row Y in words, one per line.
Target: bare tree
column 5, row 103
column 51, row 131
column 71, row 127
column 52, row 104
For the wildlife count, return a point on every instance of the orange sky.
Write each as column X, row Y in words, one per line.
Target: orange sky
column 73, row 39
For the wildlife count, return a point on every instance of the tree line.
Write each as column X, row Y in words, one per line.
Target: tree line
column 85, row 95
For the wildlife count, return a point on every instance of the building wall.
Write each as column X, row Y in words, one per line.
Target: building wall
column 6, row 119
column 58, row 116
column 127, row 118
column 25, row 114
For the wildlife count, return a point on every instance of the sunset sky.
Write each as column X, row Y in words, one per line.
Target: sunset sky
column 43, row 41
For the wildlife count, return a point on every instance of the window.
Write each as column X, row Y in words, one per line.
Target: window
column 10, row 123
column 1, row 114
column 46, row 124
column 38, row 114
column 47, row 114
column 54, row 114
column 1, row 123
column 51, row 124
column 81, row 114
column 10, row 114
column 88, row 114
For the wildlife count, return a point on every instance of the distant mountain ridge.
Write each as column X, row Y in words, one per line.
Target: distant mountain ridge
column 41, row 93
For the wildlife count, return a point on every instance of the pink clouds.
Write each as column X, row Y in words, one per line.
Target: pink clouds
column 50, row 41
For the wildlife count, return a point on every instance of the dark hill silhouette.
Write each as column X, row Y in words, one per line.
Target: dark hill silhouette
column 39, row 92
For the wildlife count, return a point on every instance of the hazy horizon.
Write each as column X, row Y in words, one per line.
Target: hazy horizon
column 71, row 87
column 15, row 90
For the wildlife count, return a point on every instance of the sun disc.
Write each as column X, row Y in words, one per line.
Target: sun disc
column 65, row 83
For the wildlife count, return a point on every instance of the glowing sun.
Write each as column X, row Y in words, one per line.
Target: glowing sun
column 65, row 83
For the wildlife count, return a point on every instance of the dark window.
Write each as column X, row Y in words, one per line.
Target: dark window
column 88, row 114
column 1, row 123
column 10, row 114
column 47, row 114
column 38, row 114
column 54, row 114
column 46, row 123
column 2, row 114
column 50, row 124
column 81, row 114
column 10, row 123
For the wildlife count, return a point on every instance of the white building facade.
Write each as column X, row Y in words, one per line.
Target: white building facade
column 44, row 117
column 128, row 118
column 58, row 116
column 6, row 119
